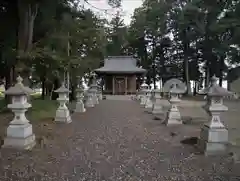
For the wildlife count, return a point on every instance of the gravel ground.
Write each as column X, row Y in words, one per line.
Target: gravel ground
column 117, row 140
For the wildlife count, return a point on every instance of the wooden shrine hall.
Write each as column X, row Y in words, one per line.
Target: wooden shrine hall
column 119, row 75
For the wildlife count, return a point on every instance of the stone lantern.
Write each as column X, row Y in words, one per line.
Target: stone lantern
column 214, row 135
column 62, row 113
column 19, row 132
column 148, row 103
column 80, row 105
column 89, row 98
column 157, row 107
column 143, row 90
column 174, row 116
column 94, row 89
column 138, row 95
column 99, row 93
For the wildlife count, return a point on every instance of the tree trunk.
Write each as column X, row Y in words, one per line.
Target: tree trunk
column 43, row 80
column 221, row 68
column 56, row 84
column 7, row 84
column 186, row 67
column 207, row 76
column 195, row 88
column 186, row 63
column 72, row 95
column 154, row 78
column 27, row 13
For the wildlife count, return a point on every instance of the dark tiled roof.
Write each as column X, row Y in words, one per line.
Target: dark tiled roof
column 120, row 64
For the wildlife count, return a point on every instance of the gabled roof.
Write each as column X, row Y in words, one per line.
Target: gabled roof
column 120, row 64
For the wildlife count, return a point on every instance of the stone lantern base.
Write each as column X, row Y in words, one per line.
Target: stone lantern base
column 173, row 116
column 89, row 102
column 63, row 115
column 20, row 137
column 148, row 104
column 213, row 141
column 95, row 99
column 80, row 107
column 157, row 108
column 142, row 100
column 100, row 97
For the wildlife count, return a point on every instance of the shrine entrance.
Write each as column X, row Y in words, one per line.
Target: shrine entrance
column 120, row 85
column 119, row 75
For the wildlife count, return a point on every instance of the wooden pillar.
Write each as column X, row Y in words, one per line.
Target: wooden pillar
column 113, row 85
column 126, row 83
column 134, row 83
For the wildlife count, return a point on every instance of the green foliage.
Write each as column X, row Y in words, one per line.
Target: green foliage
column 202, row 31
column 67, row 38
column 42, row 109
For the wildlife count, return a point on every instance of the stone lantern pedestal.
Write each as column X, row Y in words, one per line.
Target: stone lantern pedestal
column 79, row 105
column 214, row 136
column 138, row 95
column 62, row 113
column 157, row 107
column 173, row 115
column 94, row 94
column 99, row 94
column 89, row 99
column 148, row 103
column 143, row 97
column 94, row 89
column 19, row 132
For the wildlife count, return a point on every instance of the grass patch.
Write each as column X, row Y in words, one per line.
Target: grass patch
column 42, row 109
column 36, row 95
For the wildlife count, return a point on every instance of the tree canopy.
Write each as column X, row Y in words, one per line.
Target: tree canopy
column 188, row 39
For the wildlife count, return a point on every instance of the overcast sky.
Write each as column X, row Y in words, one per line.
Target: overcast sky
column 128, row 7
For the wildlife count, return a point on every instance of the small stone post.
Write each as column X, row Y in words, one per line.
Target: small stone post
column 157, row 107
column 174, row 116
column 148, row 103
column 89, row 99
column 19, row 132
column 80, row 105
column 214, row 135
column 62, row 113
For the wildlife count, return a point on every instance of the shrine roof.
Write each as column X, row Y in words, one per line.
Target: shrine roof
column 120, row 64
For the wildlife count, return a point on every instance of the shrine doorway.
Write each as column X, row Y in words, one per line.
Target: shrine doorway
column 120, row 88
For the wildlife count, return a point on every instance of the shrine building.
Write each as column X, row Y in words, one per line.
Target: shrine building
column 119, row 75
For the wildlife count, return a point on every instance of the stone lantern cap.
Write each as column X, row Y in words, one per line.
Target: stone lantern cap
column 19, row 88
column 80, row 89
column 174, row 86
column 91, row 90
column 62, row 89
column 144, row 86
column 94, row 86
column 177, row 90
column 214, row 90
column 156, row 90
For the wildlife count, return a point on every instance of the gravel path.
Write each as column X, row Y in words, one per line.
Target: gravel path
column 117, row 140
